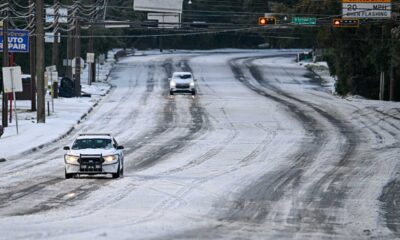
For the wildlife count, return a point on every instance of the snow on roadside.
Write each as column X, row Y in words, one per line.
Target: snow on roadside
column 67, row 113
column 322, row 70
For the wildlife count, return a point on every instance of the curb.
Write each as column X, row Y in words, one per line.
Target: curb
column 70, row 130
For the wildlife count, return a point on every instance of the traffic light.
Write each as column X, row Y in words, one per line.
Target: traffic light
column 339, row 22
column 266, row 20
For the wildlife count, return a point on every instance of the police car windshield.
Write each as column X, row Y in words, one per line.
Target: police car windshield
column 92, row 143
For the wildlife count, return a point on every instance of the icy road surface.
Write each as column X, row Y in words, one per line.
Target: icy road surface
column 263, row 152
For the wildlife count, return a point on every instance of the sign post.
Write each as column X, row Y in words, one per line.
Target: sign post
column 53, row 75
column 90, row 61
column 12, row 78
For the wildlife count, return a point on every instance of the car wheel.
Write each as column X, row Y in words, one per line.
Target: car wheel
column 171, row 92
column 193, row 92
column 118, row 174
column 68, row 175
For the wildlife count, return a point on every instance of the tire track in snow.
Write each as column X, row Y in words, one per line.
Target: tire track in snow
column 198, row 125
column 53, row 147
column 270, row 188
column 81, row 191
column 329, row 192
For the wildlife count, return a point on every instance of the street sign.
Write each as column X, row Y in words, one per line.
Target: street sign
column 51, row 68
column 166, row 20
column 50, row 38
column 304, row 20
column 81, row 63
column 62, row 15
column 12, row 79
column 90, row 57
column 18, row 41
column 102, row 58
column 376, row 9
column 67, row 62
column 51, row 76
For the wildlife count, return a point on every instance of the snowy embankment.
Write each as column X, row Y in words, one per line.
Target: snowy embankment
column 67, row 113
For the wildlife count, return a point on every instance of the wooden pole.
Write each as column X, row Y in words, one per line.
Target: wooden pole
column 5, row 64
column 41, row 108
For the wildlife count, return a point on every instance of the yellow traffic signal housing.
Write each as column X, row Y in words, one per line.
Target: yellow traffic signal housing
column 266, row 20
column 347, row 23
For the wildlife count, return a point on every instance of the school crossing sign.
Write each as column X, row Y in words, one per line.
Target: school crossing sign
column 369, row 9
column 18, row 41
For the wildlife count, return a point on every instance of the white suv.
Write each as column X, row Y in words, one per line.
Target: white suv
column 182, row 82
column 94, row 154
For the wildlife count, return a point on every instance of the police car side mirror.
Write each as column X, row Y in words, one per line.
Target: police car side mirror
column 120, row 147
column 66, row 148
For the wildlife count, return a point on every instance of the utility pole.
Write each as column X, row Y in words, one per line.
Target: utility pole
column 392, row 71
column 382, row 74
column 392, row 90
column 393, row 66
column 77, row 52
column 70, row 45
column 5, row 64
column 41, row 111
column 92, row 70
column 55, row 52
column 32, row 56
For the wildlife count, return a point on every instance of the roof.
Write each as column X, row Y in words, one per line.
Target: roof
column 171, row 6
column 182, row 73
column 94, row 135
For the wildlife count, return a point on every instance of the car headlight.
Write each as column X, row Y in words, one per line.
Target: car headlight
column 172, row 83
column 71, row 159
column 192, row 84
column 110, row 159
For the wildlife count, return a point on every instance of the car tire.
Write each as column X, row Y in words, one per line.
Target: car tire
column 68, row 175
column 193, row 92
column 171, row 92
column 118, row 174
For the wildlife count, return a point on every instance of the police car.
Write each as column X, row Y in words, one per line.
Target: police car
column 92, row 154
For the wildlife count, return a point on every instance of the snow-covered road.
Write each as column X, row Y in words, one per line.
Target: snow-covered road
column 263, row 152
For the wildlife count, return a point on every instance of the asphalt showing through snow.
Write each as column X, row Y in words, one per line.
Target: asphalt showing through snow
column 294, row 200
